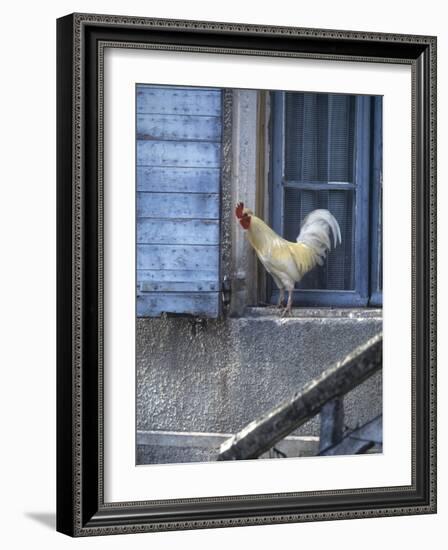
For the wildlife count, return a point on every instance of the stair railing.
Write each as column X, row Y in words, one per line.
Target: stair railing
column 323, row 394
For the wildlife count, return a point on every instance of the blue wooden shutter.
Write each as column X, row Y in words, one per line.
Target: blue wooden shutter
column 178, row 200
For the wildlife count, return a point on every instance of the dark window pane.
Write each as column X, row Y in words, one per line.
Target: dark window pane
column 337, row 272
column 341, row 123
column 319, row 137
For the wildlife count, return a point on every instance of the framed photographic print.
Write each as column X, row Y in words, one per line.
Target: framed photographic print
column 246, row 274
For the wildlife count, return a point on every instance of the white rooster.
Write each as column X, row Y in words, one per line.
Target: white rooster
column 288, row 261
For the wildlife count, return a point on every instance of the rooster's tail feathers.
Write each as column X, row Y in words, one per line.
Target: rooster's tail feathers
column 317, row 229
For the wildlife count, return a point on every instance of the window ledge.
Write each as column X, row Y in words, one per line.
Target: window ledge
column 316, row 313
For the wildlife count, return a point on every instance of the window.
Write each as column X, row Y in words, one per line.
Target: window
column 290, row 153
column 327, row 153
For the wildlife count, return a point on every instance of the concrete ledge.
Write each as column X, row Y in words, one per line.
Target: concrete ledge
column 270, row 312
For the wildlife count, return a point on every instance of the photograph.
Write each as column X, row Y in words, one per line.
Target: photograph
column 258, row 273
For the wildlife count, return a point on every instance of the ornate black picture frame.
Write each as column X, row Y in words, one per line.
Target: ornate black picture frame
column 81, row 509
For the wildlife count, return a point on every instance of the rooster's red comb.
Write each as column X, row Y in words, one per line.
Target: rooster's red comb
column 239, row 210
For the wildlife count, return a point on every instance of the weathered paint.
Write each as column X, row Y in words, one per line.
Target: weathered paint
column 197, row 304
column 176, row 275
column 178, row 153
column 178, row 200
column 177, row 286
column 156, row 231
column 173, row 180
column 176, row 256
column 178, row 205
column 376, row 278
column 243, row 183
column 184, row 127
column 168, row 100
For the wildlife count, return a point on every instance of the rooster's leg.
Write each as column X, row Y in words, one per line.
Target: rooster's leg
column 281, row 298
column 288, row 308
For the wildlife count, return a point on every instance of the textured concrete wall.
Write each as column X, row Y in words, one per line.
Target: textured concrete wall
column 219, row 376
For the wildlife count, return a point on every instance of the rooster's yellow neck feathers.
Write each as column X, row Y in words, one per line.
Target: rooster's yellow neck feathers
column 266, row 242
column 260, row 235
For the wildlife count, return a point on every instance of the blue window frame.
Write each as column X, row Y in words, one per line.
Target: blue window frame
column 327, row 153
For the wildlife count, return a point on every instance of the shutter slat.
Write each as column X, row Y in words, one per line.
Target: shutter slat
column 178, row 286
column 204, row 304
column 178, row 101
column 178, row 205
column 176, row 275
column 153, row 256
column 173, row 127
column 151, row 231
column 183, row 180
column 173, row 153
